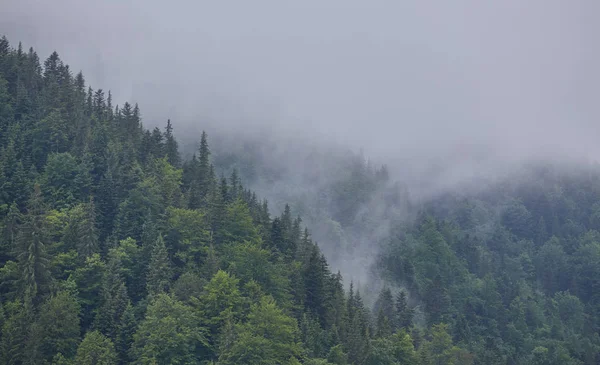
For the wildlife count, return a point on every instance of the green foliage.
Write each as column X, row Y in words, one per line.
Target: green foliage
column 96, row 349
column 31, row 250
column 170, row 333
column 267, row 337
column 59, row 325
column 159, row 271
column 188, row 234
column 221, row 300
column 239, row 226
column 249, row 261
column 125, row 333
column 506, row 274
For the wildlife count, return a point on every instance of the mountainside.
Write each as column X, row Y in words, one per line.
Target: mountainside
column 116, row 249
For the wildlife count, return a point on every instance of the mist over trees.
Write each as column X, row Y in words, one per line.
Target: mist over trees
column 118, row 247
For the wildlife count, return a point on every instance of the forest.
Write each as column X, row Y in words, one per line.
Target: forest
column 115, row 249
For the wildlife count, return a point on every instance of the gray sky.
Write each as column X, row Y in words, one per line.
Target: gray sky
column 398, row 78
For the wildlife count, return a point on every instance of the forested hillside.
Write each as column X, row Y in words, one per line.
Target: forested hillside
column 114, row 249
column 513, row 269
column 509, row 265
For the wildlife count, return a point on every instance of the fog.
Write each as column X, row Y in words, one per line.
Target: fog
column 393, row 77
column 467, row 84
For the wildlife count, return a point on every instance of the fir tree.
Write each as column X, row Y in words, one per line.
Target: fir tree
column 171, row 146
column 31, row 251
column 159, row 270
column 404, row 313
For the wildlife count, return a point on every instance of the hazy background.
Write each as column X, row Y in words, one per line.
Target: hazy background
column 462, row 88
column 397, row 78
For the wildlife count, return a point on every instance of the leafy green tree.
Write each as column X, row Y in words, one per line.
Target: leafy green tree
column 238, row 225
column 59, row 325
column 267, row 337
column 168, row 180
column 170, row 333
column 188, row 234
column 337, row 356
column 96, row 349
column 188, row 286
column 249, row 261
column 440, row 349
column 221, row 300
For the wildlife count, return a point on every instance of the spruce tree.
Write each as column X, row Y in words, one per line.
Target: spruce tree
column 114, row 298
column 31, row 252
column 125, row 332
column 171, row 146
column 159, row 270
column 404, row 313
column 87, row 243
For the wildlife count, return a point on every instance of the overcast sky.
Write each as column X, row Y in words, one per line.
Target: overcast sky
column 397, row 78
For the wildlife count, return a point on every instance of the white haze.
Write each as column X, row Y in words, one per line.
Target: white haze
column 471, row 86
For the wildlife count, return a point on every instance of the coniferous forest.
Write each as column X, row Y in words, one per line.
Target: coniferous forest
column 114, row 249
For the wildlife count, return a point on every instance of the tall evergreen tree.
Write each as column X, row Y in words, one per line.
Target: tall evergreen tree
column 159, row 270
column 31, row 250
column 87, row 243
column 114, row 298
column 171, row 146
column 404, row 313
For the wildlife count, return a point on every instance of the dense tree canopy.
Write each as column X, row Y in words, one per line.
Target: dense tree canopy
column 115, row 250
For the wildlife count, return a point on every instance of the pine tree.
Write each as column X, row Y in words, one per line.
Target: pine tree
column 125, row 333
column 384, row 311
column 436, row 301
column 234, row 182
column 541, row 234
column 218, row 211
column 87, row 243
column 383, row 326
column 159, row 270
column 316, row 278
column 106, row 205
column 89, row 279
column 171, row 146
column 114, row 298
column 357, row 336
column 204, row 174
column 12, row 222
column 16, row 331
column 404, row 313
column 31, row 252
column 277, row 238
